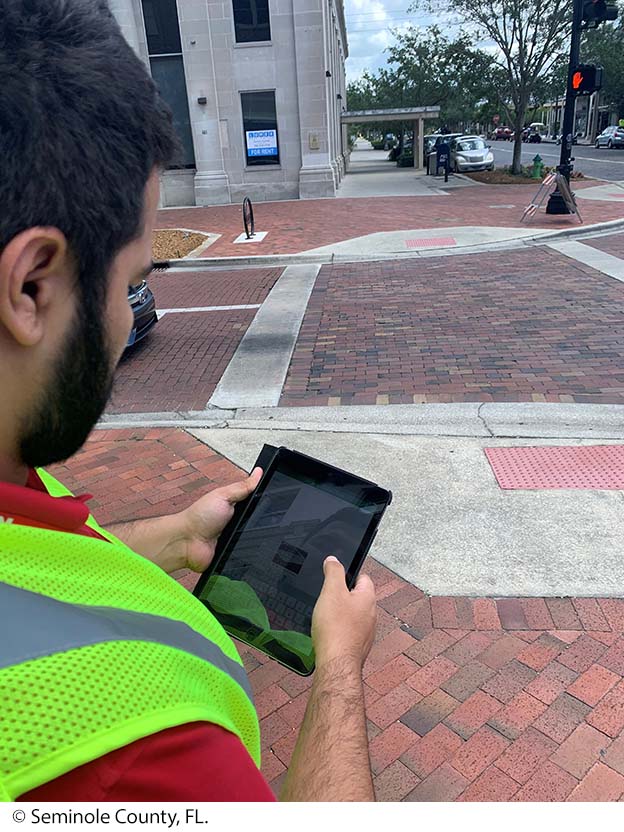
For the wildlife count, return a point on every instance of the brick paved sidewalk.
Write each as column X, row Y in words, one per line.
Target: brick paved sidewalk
column 181, row 362
column 467, row 699
column 528, row 325
column 298, row 225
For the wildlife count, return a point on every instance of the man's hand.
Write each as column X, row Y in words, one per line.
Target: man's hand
column 207, row 517
column 343, row 623
column 187, row 540
column 330, row 760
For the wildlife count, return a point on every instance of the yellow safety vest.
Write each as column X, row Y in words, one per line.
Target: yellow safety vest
column 99, row 648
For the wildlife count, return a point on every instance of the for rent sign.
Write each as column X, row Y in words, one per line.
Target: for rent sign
column 261, row 142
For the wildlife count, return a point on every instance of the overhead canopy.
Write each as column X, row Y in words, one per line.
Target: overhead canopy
column 395, row 114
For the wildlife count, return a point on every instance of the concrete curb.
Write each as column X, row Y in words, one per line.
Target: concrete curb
column 495, row 420
column 268, row 260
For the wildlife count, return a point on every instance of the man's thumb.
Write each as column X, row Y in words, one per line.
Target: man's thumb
column 333, row 569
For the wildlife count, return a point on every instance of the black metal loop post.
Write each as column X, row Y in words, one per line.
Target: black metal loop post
column 248, row 218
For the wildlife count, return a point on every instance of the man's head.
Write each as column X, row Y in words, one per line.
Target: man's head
column 83, row 133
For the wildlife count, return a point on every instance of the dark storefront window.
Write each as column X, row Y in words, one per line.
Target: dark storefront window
column 165, row 55
column 251, row 20
column 260, row 128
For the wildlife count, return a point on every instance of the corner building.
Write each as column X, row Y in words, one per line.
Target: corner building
column 256, row 87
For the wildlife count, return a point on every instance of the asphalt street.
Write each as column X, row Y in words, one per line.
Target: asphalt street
column 602, row 164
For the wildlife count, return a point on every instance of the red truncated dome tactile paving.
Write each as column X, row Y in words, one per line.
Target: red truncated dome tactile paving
column 433, row 242
column 598, row 467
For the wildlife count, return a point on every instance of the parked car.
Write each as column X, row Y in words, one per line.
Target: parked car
column 502, row 134
column 432, row 141
column 143, row 303
column 611, row 137
column 470, row 153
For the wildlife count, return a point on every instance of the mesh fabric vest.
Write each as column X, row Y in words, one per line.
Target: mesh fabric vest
column 106, row 649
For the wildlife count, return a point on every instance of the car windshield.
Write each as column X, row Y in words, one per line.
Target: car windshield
column 471, row 144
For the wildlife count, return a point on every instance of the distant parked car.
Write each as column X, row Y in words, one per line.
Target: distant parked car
column 502, row 134
column 432, row 141
column 611, row 137
column 471, row 153
column 143, row 304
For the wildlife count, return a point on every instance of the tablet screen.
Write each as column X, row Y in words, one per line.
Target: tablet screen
column 271, row 573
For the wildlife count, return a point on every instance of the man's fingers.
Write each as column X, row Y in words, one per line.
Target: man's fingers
column 238, row 491
column 364, row 584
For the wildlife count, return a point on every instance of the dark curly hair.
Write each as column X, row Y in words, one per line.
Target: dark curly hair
column 82, row 126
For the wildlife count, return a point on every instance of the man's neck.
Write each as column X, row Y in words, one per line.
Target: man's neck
column 13, row 472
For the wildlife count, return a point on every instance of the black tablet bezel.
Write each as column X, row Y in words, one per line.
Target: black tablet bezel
column 270, row 459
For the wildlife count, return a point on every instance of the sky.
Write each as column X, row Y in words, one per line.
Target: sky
column 369, row 25
column 368, row 30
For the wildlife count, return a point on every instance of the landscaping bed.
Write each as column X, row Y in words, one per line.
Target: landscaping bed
column 172, row 244
column 502, row 176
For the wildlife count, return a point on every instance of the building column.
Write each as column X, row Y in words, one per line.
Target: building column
column 129, row 16
column 345, row 146
column 417, row 143
column 211, row 180
column 316, row 177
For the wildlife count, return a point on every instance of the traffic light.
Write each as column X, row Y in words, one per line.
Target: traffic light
column 586, row 78
column 596, row 12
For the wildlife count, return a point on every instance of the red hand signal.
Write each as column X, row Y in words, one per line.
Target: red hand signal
column 577, row 80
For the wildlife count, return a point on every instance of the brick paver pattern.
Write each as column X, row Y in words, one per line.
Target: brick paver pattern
column 469, row 699
column 299, row 225
column 610, row 243
column 214, row 287
column 180, row 363
column 519, row 326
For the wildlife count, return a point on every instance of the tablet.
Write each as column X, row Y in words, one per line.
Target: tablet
column 267, row 572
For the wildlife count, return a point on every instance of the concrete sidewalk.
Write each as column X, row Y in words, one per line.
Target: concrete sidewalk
column 301, row 225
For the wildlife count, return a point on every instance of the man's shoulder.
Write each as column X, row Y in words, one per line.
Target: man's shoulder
column 197, row 761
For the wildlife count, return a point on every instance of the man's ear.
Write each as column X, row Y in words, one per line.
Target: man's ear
column 34, row 267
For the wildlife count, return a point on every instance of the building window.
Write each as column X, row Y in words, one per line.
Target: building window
column 251, row 20
column 167, row 65
column 260, row 128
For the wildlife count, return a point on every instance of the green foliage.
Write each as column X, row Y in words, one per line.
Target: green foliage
column 605, row 46
column 530, row 38
column 425, row 68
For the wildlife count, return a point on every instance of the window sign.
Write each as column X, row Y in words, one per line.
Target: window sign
column 261, row 142
column 260, row 128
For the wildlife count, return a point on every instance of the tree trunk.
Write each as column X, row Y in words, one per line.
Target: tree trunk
column 516, row 165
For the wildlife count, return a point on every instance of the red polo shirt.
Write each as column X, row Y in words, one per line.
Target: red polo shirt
column 195, row 762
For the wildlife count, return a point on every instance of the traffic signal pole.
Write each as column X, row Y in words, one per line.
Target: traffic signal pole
column 556, row 203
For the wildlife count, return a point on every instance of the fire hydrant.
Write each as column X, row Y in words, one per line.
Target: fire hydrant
column 538, row 167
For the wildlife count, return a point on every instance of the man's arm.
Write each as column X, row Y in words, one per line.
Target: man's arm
column 186, row 540
column 330, row 761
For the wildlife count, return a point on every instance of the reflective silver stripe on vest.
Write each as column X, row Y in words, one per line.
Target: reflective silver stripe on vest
column 33, row 626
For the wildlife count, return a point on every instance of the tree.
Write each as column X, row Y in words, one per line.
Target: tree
column 529, row 37
column 605, row 46
column 434, row 70
column 425, row 68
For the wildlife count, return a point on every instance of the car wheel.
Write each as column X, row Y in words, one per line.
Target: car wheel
column 597, row 145
column 610, row 144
